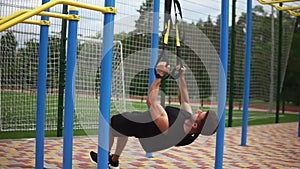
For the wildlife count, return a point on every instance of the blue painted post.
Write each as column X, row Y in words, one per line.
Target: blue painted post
column 247, row 73
column 154, row 40
column 105, row 89
column 154, row 48
column 41, row 94
column 222, row 84
column 70, row 91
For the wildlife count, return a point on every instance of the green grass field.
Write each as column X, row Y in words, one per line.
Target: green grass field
column 255, row 118
column 18, row 112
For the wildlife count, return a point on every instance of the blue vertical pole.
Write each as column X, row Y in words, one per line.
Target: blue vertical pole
column 222, row 84
column 247, row 73
column 41, row 94
column 154, row 40
column 70, row 90
column 154, row 47
column 105, row 89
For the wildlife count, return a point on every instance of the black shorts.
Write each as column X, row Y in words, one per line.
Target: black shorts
column 136, row 124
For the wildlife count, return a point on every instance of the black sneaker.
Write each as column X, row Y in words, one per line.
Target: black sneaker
column 93, row 157
column 112, row 164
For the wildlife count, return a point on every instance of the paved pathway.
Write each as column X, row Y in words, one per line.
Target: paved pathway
column 268, row 146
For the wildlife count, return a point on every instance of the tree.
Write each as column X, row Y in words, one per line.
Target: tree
column 139, row 85
column 239, row 56
column 291, row 86
column 8, row 48
column 53, row 61
column 29, row 55
column 144, row 23
column 260, row 53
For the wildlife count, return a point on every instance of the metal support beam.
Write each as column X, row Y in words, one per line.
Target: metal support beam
column 22, row 15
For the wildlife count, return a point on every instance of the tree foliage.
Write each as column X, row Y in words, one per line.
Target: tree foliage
column 291, row 88
column 25, row 58
column 8, row 46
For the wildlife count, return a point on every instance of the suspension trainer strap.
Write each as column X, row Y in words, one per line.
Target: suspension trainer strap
column 165, row 34
column 176, row 71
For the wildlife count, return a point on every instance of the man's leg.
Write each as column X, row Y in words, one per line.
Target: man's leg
column 111, row 140
column 93, row 154
column 121, row 143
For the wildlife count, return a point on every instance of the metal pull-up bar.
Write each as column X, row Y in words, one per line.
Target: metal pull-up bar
column 33, row 22
column 22, row 15
column 38, row 22
column 289, row 9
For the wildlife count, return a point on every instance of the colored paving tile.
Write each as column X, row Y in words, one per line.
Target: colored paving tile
column 268, row 146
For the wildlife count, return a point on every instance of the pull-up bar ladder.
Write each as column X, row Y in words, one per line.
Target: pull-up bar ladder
column 22, row 15
column 289, row 9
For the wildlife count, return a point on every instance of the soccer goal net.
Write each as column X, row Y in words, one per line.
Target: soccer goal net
column 88, row 74
column 19, row 83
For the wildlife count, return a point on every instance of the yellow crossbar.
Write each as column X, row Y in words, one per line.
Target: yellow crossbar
column 286, row 8
column 57, row 15
column 34, row 22
column 12, row 16
column 294, row 13
column 50, row 14
column 289, row 9
column 23, row 14
column 275, row 1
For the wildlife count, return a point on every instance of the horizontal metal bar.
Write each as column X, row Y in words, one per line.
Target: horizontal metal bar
column 23, row 14
column 34, row 22
column 275, row 1
column 289, row 9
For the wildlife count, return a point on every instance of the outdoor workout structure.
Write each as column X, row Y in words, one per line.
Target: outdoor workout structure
column 278, row 4
column 106, row 67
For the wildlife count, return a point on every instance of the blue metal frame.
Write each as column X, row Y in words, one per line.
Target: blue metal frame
column 70, row 91
column 222, row 84
column 41, row 94
column 247, row 73
column 154, row 40
column 154, row 48
column 105, row 89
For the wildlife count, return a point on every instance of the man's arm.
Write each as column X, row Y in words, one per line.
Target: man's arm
column 157, row 112
column 183, row 94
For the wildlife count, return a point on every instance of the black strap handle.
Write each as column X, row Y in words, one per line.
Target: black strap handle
column 160, row 59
